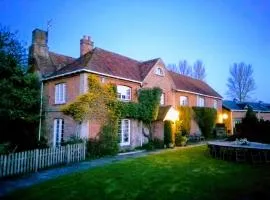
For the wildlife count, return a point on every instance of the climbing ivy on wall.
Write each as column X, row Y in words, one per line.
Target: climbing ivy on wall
column 205, row 118
column 100, row 103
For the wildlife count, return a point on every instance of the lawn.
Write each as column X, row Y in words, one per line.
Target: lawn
column 187, row 173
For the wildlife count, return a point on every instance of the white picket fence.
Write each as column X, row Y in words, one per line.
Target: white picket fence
column 33, row 160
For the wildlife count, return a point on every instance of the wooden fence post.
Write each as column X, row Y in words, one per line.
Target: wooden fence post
column 36, row 159
column 84, row 149
column 68, row 153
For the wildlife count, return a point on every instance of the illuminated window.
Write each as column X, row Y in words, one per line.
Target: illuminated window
column 124, row 132
column 159, row 71
column 58, row 132
column 200, row 101
column 60, row 93
column 183, row 100
column 123, row 93
column 162, row 99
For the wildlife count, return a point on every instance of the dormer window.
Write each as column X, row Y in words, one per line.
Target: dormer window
column 159, row 71
column 123, row 93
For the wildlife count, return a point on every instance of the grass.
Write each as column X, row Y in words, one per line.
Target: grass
column 187, row 173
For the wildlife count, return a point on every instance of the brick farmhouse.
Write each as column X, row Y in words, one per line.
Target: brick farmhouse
column 64, row 78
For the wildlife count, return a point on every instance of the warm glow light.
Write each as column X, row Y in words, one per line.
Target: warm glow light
column 225, row 116
column 172, row 115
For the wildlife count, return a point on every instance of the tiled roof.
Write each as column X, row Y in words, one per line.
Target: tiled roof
column 256, row 106
column 193, row 85
column 107, row 62
column 47, row 66
column 58, row 59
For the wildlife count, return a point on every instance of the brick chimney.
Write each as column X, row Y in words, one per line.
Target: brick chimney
column 39, row 45
column 39, row 59
column 86, row 45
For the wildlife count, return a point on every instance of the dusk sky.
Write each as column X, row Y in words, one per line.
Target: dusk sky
column 218, row 32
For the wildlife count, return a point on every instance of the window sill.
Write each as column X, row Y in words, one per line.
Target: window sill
column 124, row 100
column 59, row 104
column 124, row 144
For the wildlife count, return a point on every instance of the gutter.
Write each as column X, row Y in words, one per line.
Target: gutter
column 205, row 95
column 90, row 71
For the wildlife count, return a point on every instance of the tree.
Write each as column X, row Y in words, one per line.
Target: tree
column 183, row 68
column 198, row 71
column 241, row 82
column 19, row 94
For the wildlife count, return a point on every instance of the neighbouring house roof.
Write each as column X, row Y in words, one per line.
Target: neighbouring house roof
column 243, row 106
column 185, row 83
column 106, row 62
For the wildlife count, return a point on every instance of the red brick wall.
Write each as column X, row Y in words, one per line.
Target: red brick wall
column 158, row 130
column 52, row 111
column 72, row 88
column 164, row 82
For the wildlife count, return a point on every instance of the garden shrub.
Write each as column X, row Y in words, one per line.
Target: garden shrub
column 94, row 148
column 180, row 140
column 73, row 140
column 158, row 143
column 184, row 123
column 168, row 133
column 205, row 118
column 253, row 129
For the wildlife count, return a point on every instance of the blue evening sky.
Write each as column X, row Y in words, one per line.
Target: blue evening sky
column 219, row 32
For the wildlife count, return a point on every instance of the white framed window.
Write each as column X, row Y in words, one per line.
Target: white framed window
column 183, row 100
column 60, row 93
column 200, row 101
column 162, row 99
column 159, row 71
column 58, row 132
column 103, row 79
column 123, row 92
column 215, row 103
column 124, row 132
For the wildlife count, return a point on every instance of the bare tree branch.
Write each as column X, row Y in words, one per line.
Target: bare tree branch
column 241, row 82
column 198, row 70
column 182, row 68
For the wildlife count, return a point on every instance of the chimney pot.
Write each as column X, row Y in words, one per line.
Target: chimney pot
column 86, row 45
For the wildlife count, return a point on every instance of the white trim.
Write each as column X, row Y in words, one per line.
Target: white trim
column 90, row 71
column 124, row 91
column 60, row 93
column 205, row 95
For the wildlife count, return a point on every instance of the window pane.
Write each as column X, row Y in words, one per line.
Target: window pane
column 183, row 101
column 124, row 131
column 123, row 92
column 60, row 93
